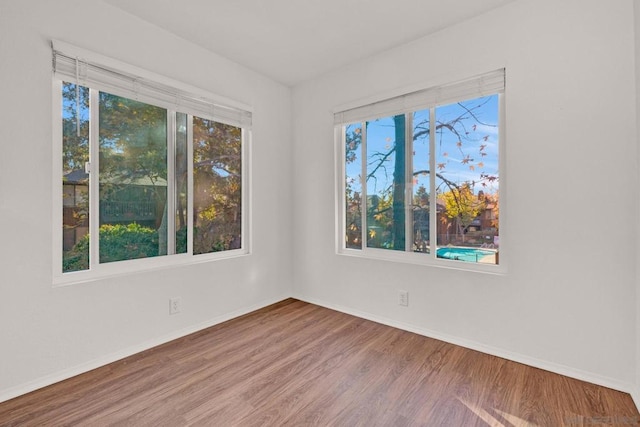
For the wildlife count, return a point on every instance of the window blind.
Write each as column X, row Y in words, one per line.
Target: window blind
column 475, row 87
column 105, row 78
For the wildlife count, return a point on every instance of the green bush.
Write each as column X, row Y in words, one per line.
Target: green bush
column 131, row 241
column 75, row 259
column 117, row 242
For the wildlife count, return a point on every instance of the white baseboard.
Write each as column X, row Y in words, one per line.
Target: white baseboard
column 633, row 390
column 494, row 351
column 118, row 355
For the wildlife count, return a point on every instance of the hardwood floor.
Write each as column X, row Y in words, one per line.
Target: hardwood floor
column 298, row 364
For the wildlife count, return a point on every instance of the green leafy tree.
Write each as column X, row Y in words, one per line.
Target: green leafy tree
column 217, row 170
column 133, row 146
column 75, row 123
column 75, row 154
column 133, row 166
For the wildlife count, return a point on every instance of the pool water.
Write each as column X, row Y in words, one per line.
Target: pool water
column 463, row 254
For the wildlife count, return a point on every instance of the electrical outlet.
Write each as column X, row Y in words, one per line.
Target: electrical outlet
column 175, row 305
column 403, row 298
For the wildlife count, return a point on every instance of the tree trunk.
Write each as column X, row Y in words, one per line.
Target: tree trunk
column 399, row 184
column 162, row 232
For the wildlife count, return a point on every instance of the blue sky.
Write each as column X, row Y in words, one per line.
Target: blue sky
column 460, row 158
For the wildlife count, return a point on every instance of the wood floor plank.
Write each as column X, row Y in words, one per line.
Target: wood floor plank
column 294, row 364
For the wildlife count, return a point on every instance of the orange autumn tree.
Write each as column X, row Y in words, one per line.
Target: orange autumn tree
column 463, row 206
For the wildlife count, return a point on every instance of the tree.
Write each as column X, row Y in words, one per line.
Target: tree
column 75, row 153
column 133, row 166
column 459, row 125
column 353, row 189
column 75, row 124
column 133, row 161
column 399, row 183
column 217, row 175
column 463, row 206
column 493, row 201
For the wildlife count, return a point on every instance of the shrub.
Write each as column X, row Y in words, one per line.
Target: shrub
column 117, row 242
column 121, row 242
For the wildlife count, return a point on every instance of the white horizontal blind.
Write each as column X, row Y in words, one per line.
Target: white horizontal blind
column 475, row 87
column 104, row 78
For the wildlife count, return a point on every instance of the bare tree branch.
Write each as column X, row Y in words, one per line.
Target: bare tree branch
column 470, row 111
column 383, row 158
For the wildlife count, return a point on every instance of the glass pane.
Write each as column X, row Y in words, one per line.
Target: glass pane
column 181, row 183
column 217, row 197
column 133, row 179
column 386, row 183
column 467, row 180
column 421, row 182
column 353, row 186
column 75, row 182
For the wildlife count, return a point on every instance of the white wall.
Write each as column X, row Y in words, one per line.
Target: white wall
column 567, row 302
column 48, row 333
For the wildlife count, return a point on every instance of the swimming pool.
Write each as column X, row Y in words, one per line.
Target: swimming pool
column 463, row 254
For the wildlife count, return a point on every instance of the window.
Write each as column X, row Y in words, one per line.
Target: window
column 159, row 176
column 419, row 176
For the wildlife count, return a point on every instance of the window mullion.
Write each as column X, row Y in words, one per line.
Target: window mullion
column 364, row 205
column 433, row 202
column 94, row 178
column 170, row 204
column 245, row 211
column 58, row 187
column 190, row 184
column 341, row 182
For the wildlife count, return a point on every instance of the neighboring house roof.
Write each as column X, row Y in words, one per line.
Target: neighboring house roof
column 76, row 177
column 439, row 207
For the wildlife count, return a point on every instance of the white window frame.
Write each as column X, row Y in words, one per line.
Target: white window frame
column 407, row 103
column 113, row 269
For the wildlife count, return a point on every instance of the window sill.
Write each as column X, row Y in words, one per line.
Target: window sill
column 424, row 260
column 143, row 265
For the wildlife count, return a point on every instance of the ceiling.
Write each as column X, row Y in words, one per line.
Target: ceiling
column 296, row 40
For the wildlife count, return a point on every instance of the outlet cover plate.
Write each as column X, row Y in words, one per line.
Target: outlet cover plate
column 403, row 298
column 175, row 305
